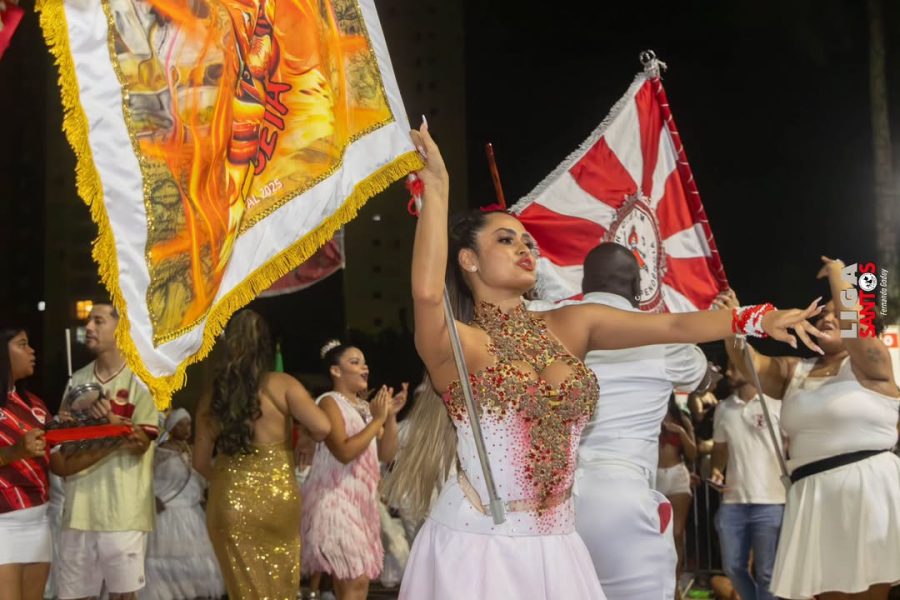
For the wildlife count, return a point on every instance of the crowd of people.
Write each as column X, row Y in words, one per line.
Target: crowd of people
column 592, row 457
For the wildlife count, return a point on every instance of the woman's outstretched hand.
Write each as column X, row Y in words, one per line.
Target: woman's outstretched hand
column 434, row 175
column 777, row 324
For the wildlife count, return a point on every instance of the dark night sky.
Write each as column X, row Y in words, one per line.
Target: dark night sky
column 771, row 102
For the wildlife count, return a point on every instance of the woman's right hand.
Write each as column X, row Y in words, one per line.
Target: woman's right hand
column 434, row 175
column 32, row 444
column 381, row 404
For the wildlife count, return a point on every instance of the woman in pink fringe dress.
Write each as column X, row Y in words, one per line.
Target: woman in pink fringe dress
column 341, row 526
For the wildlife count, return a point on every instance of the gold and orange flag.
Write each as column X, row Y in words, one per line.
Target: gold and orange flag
column 220, row 143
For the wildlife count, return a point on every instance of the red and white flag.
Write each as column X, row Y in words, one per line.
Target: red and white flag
column 629, row 183
column 327, row 260
column 10, row 17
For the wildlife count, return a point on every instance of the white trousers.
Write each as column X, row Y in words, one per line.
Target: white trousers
column 619, row 517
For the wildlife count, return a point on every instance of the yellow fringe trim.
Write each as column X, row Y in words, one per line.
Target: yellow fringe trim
column 75, row 125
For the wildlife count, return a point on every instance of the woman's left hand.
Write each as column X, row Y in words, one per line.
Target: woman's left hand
column 434, row 174
column 399, row 400
column 830, row 266
column 776, row 324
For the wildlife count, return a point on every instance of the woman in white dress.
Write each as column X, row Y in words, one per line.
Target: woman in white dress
column 535, row 396
column 181, row 564
column 841, row 533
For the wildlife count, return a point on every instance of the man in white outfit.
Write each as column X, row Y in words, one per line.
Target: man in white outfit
column 624, row 522
column 749, row 518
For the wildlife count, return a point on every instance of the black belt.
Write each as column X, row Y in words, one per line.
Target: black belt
column 832, row 462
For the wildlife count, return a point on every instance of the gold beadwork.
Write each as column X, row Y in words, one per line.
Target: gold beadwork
column 552, row 416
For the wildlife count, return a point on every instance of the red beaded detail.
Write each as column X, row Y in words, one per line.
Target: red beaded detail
column 549, row 418
column 415, row 187
column 747, row 320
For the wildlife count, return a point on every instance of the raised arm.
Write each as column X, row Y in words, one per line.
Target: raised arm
column 585, row 327
column 304, row 410
column 347, row 448
column 869, row 357
column 774, row 372
column 429, row 261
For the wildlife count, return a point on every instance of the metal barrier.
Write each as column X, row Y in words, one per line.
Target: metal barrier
column 702, row 554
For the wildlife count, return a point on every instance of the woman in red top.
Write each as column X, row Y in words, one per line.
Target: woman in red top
column 24, row 462
column 673, row 479
column 24, row 489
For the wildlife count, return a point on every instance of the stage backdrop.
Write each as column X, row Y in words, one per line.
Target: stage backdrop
column 630, row 183
column 220, row 143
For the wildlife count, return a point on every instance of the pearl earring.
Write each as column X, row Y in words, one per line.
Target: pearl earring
column 473, row 269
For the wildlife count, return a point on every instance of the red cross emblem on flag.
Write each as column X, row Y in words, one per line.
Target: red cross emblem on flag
column 629, row 183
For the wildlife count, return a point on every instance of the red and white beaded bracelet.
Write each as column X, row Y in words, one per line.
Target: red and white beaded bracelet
column 747, row 320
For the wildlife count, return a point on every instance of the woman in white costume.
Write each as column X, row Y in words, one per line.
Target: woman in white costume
column 535, row 396
column 841, row 532
column 180, row 559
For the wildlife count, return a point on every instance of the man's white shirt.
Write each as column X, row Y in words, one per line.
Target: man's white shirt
column 753, row 474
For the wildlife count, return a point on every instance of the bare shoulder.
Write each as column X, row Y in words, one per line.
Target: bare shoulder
column 577, row 315
column 874, row 370
column 572, row 324
column 329, row 403
column 279, row 382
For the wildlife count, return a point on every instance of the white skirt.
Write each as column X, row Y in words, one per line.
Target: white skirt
column 25, row 536
column 447, row 564
column 841, row 530
column 180, row 560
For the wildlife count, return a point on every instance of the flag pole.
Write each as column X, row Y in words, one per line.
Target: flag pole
column 496, row 504
column 495, row 174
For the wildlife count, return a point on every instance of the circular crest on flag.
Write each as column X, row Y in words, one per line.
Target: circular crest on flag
column 635, row 227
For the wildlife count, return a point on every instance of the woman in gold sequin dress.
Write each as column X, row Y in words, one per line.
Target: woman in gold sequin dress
column 535, row 396
column 253, row 514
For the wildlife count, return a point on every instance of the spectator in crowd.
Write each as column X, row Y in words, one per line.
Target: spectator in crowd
column 109, row 508
column 749, row 518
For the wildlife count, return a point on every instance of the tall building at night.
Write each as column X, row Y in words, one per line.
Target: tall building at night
column 426, row 41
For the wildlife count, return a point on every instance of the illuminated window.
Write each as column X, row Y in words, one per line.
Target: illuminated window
column 83, row 309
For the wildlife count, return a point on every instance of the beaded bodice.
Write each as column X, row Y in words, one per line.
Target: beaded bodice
column 534, row 400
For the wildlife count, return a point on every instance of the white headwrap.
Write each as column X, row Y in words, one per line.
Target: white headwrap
column 174, row 418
